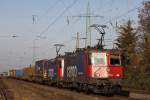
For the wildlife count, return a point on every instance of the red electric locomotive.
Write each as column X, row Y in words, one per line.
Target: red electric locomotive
column 91, row 70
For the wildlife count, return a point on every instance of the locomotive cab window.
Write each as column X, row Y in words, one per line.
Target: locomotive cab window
column 98, row 59
column 114, row 60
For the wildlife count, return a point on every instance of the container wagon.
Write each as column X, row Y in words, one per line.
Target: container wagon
column 28, row 73
column 15, row 73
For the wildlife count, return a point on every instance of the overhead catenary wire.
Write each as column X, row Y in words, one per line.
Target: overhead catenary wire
column 46, row 51
column 58, row 17
column 35, row 17
column 124, row 14
column 65, row 6
column 49, row 9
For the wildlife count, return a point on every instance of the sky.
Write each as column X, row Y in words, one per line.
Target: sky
column 55, row 22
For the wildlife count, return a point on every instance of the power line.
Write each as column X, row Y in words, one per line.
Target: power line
column 65, row 6
column 47, row 50
column 63, row 42
column 35, row 18
column 50, row 8
column 124, row 14
column 58, row 17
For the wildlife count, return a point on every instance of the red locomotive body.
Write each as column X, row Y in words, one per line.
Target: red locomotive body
column 105, row 65
column 60, row 66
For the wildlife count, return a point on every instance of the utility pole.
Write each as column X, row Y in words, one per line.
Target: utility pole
column 34, row 51
column 58, row 48
column 34, row 47
column 77, row 41
column 20, row 61
column 88, row 17
column 88, row 29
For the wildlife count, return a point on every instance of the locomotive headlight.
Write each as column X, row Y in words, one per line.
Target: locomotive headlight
column 97, row 75
column 117, row 75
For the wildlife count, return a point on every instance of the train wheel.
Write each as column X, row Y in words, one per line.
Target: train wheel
column 117, row 89
column 71, row 87
column 108, row 91
column 86, row 89
column 79, row 88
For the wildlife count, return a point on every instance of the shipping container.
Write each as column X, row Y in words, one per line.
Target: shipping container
column 12, row 73
column 28, row 73
column 15, row 73
column 18, row 73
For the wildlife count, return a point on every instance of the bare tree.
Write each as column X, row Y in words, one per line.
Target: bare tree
column 144, row 27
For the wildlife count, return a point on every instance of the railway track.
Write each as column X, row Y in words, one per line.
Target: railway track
column 121, row 96
column 5, row 93
column 30, row 91
column 64, row 92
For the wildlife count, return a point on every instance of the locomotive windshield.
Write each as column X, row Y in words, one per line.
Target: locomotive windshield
column 115, row 60
column 98, row 58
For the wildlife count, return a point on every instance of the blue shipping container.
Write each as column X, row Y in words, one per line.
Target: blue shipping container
column 18, row 73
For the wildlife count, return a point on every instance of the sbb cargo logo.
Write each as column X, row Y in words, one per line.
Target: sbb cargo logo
column 51, row 72
column 72, row 71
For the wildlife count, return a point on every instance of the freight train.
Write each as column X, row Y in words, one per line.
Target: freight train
column 89, row 70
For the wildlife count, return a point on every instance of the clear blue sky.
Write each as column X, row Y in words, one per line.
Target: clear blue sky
column 16, row 19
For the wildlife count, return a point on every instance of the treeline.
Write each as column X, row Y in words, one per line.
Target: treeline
column 134, row 44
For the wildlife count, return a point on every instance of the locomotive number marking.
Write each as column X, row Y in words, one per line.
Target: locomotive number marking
column 72, row 71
